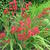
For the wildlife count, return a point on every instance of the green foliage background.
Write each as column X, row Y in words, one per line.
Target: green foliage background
column 40, row 41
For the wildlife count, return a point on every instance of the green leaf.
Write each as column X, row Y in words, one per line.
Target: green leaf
column 4, row 46
column 11, row 44
column 19, row 46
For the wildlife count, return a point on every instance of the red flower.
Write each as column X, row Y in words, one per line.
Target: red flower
column 24, row 34
column 28, row 21
column 11, row 3
column 12, row 13
column 44, row 12
column 29, row 26
column 23, row 9
column 20, row 36
column 33, row 34
column 30, row 3
column 27, row 8
column 27, row 4
column 21, row 23
column 46, row 29
column 6, row 11
column 19, row 29
column 22, row 14
column 15, row 7
column 10, row 8
column 24, row 29
column 40, row 15
column 25, row 15
column 29, row 34
column 15, row 1
column 7, row 41
column 13, row 29
column 47, row 9
column 36, row 30
column 2, row 35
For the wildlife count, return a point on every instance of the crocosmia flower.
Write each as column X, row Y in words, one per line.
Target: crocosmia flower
column 19, row 29
column 30, row 3
column 36, row 30
column 40, row 15
column 11, row 3
column 2, row 35
column 21, row 23
column 23, row 9
column 28, row 21
column 6, row 11
column 13, row 29
column 27, row 6
column 20, row 36
column 15, row 1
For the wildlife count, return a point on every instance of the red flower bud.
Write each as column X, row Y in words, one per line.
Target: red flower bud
column 20, row 36
column 28, row 21
column 40, row 15
column 30, row 3
column 21, row 23
column 46, row 29
column 27, row 8
column 10, row 8
column 15, row 7
column 7, row 41
column 6, row 11
column 12, row 13
column 19, row 29
column 13, row 29
column 22, row 14
column 25, row 15
column 27, row 4
column 29, row 34
column 33, row 34
column 11, row 3
column 36, row 30
column 23, row 9
column 15, row 1
column 44, row 12
column 2, row 35
column 47, row 9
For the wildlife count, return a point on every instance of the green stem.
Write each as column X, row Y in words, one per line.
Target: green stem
column 4, row 46
column 20, row 46
column 11, row 45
